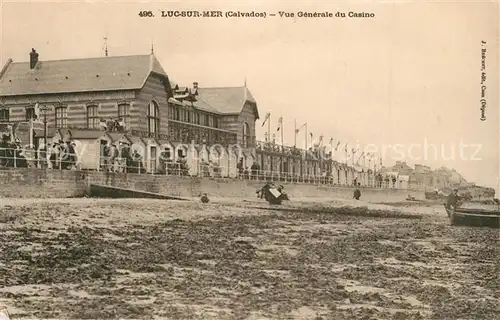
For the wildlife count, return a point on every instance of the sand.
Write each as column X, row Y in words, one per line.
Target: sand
column 234, row 259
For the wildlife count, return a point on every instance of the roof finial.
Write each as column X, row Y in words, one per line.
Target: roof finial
column 106, row 46
column 152, row 48
column 245, row 81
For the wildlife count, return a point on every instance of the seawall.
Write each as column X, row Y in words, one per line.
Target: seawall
column 47, row 183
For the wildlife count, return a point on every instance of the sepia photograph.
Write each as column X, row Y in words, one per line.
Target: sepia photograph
column 249, row 160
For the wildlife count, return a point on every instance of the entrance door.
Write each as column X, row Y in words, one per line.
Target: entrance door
column 102, row 153
column 153, row 159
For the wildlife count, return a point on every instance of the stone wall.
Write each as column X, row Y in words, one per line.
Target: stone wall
column 39, row 183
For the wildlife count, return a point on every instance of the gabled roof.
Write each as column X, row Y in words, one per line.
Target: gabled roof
column 164, row 143
column 135, row 139
column 200, row 147
column 176, row 144
column 227, row 100
column 78, row 75
column 117, row 136
column 51, row 133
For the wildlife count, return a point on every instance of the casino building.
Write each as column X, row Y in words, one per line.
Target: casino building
column 78, row 95
column 131, row 99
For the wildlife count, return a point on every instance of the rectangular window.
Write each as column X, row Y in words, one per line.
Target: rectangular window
column 216, row 122
column 61, row 117
column 92, row 117
column 210, row 121
column 124, row 115
column 30, row 113
column 4, row 114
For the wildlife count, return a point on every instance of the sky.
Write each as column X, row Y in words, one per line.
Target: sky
column 406, row 81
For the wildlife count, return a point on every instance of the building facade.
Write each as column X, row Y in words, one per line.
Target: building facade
column 132, row 92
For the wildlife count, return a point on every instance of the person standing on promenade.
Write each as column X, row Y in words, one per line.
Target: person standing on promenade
column 357, row 193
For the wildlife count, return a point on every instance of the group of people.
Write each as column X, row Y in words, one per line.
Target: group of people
column 245, row 173
column 112, row 125
column 173, row 167
column 61, row 155
column 11, row 153
column 122, row 159
column 210, row 169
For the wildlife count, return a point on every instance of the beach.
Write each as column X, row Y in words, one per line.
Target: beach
column 89, row 258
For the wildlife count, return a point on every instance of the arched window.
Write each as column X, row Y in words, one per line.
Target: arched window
column 153, row 119
column 246, row 134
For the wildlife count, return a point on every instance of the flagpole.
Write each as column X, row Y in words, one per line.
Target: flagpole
column 306, row 136
column 281, row 129
column 295, row 133
column 269, row 128
column 331, row 146
column 346, row 154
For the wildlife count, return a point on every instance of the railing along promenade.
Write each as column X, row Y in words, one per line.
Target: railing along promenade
column 20, row 158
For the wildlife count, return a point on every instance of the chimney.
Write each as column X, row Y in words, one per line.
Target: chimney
column 195, row 85
column 33, row 58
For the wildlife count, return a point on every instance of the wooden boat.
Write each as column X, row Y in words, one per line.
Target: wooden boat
column 272, row 194
column 473, row 217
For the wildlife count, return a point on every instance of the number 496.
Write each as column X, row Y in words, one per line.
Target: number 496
column 145, row 13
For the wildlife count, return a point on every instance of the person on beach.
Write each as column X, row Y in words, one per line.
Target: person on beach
column 453, row 199
column 357, row 193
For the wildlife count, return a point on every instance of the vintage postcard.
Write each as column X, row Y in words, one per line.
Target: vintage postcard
column 249, row 160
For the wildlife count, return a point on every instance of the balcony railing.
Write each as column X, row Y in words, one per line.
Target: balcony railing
column 23, row 158
column 179, row 131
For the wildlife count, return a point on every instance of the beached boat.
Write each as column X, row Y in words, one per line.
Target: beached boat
column 272, row 194
column 473, row 217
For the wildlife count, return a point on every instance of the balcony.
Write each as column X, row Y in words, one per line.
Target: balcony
column 183, row 132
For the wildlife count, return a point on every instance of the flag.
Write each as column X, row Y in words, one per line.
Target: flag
column 331, row 140
column 338, row 144
column 345, row 147
column 266, row 118
column 311, row 134
column 280, row 123
column 320, row 139
column 300, row 128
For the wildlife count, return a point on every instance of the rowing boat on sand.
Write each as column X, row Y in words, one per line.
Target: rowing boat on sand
column 473, row 217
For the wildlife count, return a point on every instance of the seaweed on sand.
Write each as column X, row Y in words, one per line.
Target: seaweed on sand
column 348, row 211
